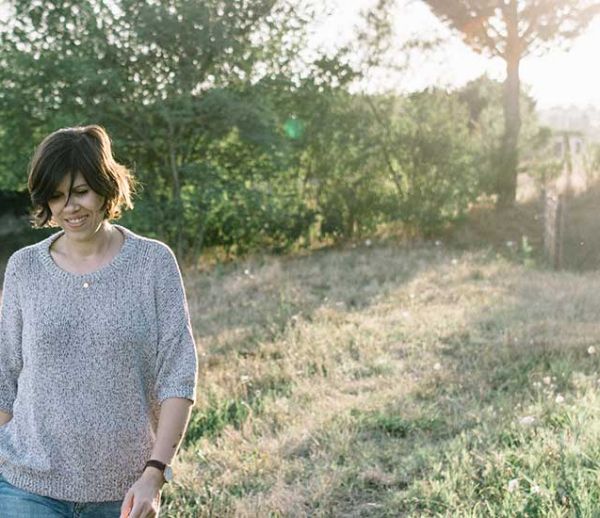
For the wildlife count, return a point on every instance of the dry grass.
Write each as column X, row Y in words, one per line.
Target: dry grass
column 371, row 364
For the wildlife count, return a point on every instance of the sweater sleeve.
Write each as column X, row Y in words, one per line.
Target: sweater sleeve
column 11, row 325
column 176, row 362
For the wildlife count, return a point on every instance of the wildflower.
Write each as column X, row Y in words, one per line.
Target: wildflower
column 536, row 384
column 546, row 380
column 535, row 489
column 368, row 242
column 437, row 366
column 559, row 398
column 591, row 350
column 438, row 243
column 454, row 261
column 527, row 420
column 510, row 244
column 513, row 485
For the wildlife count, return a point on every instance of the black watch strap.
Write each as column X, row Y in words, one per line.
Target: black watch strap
column 156, row 464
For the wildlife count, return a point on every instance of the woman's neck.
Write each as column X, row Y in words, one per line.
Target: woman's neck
column 90, row 249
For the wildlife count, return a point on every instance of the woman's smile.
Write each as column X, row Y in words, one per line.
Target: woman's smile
column 77, row 222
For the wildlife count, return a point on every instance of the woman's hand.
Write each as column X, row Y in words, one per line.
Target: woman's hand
column 143, row 498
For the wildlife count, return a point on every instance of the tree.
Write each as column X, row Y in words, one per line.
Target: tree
column 483, row 98
column 168, row 79
column 429, row 157
column 512, row 29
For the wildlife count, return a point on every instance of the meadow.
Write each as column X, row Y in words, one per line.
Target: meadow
column 378, row 379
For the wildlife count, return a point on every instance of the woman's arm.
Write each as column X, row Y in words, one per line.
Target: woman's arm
column 143, row 498
column 175, row 385
column 11, row 332
column 5, row 417
column 172, row 423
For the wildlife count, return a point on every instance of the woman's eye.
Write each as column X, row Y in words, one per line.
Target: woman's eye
column 81, row 192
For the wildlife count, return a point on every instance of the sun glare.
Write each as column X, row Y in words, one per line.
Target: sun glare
column 557, row 77
column 567, row 77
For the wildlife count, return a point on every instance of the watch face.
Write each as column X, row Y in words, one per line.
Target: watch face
column 168, row 474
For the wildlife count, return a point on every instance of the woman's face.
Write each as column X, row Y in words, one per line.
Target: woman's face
column 82, row 216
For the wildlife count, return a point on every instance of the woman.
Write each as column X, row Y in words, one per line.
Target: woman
column 97, row 357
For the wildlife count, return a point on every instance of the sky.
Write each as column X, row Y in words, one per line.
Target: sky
column 559, row 77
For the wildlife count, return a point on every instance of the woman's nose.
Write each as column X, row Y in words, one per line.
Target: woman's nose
column 71, row 204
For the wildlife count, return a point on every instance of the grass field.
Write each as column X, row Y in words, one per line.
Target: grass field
column 387, row 381
column 383, row 380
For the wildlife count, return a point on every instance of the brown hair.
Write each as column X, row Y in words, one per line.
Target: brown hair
column 84, row 149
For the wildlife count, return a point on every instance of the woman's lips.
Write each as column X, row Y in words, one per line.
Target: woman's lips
column 78, row 224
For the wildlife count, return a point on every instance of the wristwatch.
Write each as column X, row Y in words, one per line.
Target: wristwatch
column 165, row 469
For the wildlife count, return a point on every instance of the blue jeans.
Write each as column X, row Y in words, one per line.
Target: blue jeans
column 18, row 503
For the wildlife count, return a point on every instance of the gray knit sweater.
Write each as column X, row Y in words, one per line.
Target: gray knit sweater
column 85, row 361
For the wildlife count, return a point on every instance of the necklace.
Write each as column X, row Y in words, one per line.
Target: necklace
column 101, row 262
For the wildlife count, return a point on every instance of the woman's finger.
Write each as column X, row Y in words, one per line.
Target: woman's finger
column 141, row 511
column 127, row 505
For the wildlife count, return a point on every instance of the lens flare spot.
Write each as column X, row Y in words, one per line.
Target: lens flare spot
column 293, row 128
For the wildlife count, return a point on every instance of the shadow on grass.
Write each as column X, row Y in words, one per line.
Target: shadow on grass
column 524, row 353
column 441, row 443
column 245, row 305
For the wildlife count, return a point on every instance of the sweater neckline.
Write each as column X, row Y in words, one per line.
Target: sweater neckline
column 115, row 262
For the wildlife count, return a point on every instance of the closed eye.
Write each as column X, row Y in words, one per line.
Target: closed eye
column 56, row 196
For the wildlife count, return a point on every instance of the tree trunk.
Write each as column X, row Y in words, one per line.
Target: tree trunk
column 509, row 158
column 176, row 192
column 198, row 244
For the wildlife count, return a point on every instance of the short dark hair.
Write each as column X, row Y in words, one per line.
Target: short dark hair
column 84, row 149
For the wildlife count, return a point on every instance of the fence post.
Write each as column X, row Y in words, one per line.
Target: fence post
column 554, row 225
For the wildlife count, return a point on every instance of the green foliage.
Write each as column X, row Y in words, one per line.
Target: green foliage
column 171, row 82
column 483, row 98
column 593, row 159
column 212, row 418
column 341, row 171
column 375, row 159
column 429, row 156
column 232, row 148
column 215, row 417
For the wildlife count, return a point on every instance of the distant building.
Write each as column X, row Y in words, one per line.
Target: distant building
column 569, row 149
